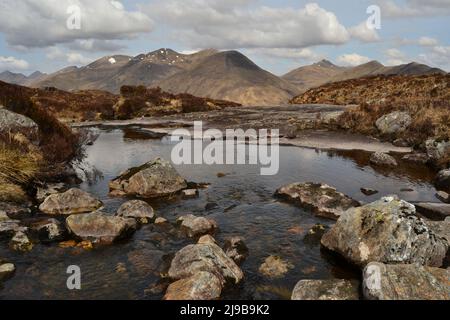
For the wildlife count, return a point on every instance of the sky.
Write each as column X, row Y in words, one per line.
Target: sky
column 279, row 35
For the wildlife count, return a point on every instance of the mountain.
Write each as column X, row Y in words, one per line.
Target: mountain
column 231, row 76
column 323, row 72
column 14, row 78
column 313, row 75
column 110, row 73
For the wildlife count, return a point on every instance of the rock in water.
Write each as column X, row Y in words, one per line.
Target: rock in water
column 385, row 231
column 418, row 158
column 274, row 267
column 197, row 226
column 368, row 191
column 73, row 201
column 208, row 257
column 236, row 249
column 6, row 271
column 326, row 290
column 201, row 286
column 190, row 193
column 443, row 196
column 154, row 179
column 137, row 209
column 442, row 179
column 383, row 159
column 48, row 230
column 100, row 228
column 405, row 282
column 324, row 200
column 21, row 242
column 437, row 150
column 394, row 122
column 433, row 211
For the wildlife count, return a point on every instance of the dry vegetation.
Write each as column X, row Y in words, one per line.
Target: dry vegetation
column 425, row 98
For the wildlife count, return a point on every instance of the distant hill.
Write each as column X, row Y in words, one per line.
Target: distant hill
column 323, row 72
column 231, row 76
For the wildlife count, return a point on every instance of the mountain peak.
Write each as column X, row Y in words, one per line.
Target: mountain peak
column 325, row 64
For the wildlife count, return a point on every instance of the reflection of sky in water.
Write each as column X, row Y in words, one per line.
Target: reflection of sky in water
column 111, row 154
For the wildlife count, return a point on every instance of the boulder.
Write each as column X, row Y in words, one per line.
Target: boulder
column 6, row 271
column 137, row 209
column 368, row 191
column 207, row 239
column 161, row 220
column 437, row 150
column 9, row 227
column 48, row 230
column 405, row 282
column 418, row 158
column 43, row 192
column 326, row 290
column 443, row 196
column 383, row 159
column 10, row 120
column 196, row 226
column 433, row 211
column 99, row 227
column 190, row 193
column 154, row 179
column 323, row 199
column 394, row 122
column 13, row 211
column 205, row 257
column 385, row 231
column 275, row 267
column 442, row 179
column 236, row 249
column 21, row 242
column 73, row 201
column 201, row 286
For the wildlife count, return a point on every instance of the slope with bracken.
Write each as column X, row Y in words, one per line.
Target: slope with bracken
column 426, row 98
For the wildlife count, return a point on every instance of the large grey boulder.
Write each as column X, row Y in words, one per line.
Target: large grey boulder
column 383, row 159
column 326, row 290
column 137, row 209
column 10, row 120
column 205, row 257
column 196, row 226
column 394, row 122
column 324, row 200
column 154, row 179
column 385, row 231
column 405, row 282
column 99, row 227
column 73, row 201
column 437, row 150
column 201, row 286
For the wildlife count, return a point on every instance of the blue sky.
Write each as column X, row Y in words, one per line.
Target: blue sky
column 278, row 35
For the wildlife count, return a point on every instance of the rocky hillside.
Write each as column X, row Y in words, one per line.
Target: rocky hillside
column 423, row 103
column 102, row 105
column 231, row 76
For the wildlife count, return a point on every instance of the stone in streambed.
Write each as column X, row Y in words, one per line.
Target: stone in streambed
column 6, row 271
column 326, row 290
column 99, row 227
column 137, row 209
column 73, row 201
column 433, row 211
column 383, row 159
column 154, row 179
column 236, row 249
column 201, row 286
column 196, row 226
column 405, row 282
column 275, row 267
column 385, row 231
column 323, row 199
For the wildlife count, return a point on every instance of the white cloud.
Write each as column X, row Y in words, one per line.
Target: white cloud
column 363, row 33
column 438, row 56
column 73, row 58
column 352, row 59
column 395, row 57
column 232, row 24
column 42, row 23
column 414, row 8
column 291, row 54
column 13, row 64
column 428, row 42
column 93, row 45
